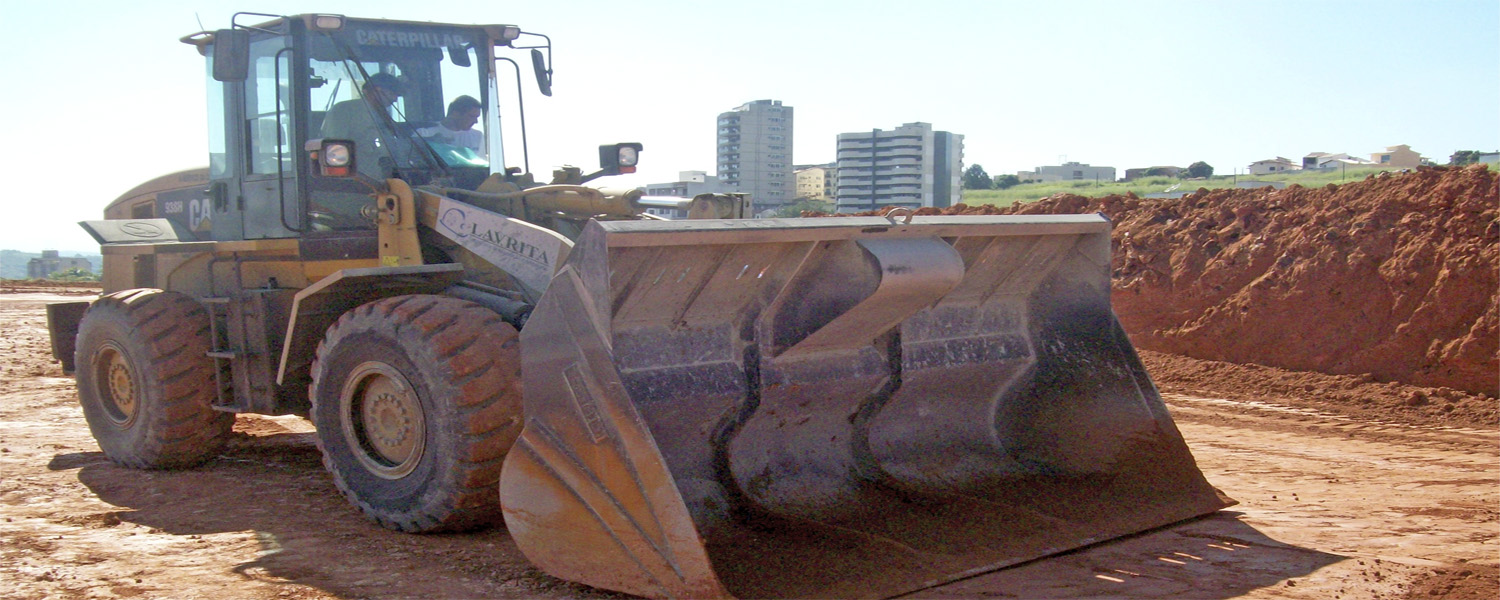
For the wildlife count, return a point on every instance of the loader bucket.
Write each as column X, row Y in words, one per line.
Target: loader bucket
column 849, row 407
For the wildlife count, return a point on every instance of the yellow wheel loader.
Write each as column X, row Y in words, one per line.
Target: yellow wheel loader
column 708, row 407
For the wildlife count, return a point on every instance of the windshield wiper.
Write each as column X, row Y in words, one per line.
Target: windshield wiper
column 429, row 153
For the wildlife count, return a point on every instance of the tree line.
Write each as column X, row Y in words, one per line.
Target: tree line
column 1464, row 157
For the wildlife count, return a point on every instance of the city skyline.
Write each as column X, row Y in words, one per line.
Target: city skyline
column 1121, row 84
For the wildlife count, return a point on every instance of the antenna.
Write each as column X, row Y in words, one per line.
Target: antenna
column 200, row 22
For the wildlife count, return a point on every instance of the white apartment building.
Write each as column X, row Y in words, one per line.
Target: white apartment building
column 912, row 166
column 688, row 185
column 755, row 153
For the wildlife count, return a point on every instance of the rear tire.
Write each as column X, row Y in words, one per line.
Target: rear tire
column 145, row 380
column 416, row 400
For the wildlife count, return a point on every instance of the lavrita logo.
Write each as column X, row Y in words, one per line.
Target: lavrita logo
column 457, row 222
column 525, row 251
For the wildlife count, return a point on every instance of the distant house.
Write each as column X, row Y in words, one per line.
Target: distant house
column 1400, row 156
column 1070, row 171
column 1311, row 160
column 1157, row 171
column 1273, row 165
column 1324, row 160
column 1489, row 157
column 50, row 262
column 1351, row 161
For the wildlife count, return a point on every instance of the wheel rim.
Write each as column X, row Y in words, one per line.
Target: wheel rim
column 115, row 378
column 382, row 420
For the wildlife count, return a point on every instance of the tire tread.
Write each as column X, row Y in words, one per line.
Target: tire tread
column 180, row 427
column 475, row 360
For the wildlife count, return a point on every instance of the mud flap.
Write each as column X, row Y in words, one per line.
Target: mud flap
column 834, row 407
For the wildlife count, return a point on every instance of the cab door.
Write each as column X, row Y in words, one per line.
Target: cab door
column 268, row 185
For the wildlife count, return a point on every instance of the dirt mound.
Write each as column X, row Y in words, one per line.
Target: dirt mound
column 1394, row 276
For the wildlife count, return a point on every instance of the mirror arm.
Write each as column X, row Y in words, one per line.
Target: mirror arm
column 521, row 107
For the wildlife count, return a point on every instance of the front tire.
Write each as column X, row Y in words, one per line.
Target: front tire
column 416, row 400
column 145, row 380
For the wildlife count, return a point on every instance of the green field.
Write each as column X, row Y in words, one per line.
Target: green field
column 1028, row 192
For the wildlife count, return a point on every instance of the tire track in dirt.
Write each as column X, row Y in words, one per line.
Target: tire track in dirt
column 1270, row 416
column 1404, row 503
column 1331, row 506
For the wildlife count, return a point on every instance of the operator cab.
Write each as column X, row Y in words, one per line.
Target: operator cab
column 283, row 85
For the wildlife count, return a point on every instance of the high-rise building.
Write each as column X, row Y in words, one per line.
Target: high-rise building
column 911, row 166
column 755, row 153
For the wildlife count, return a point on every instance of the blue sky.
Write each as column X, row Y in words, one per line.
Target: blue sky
column 101, row 96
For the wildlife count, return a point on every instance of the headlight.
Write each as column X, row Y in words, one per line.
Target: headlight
column 337, row 155
column 615, row 159
column 330, row 158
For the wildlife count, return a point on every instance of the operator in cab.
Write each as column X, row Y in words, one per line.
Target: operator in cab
column 358, row 120
column 457, row 127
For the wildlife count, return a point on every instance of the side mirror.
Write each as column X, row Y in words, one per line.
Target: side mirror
column 231, row 54
column 543, row 74
column 459, row 55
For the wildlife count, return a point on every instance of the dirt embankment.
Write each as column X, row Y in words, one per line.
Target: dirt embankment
column 1394, row 276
